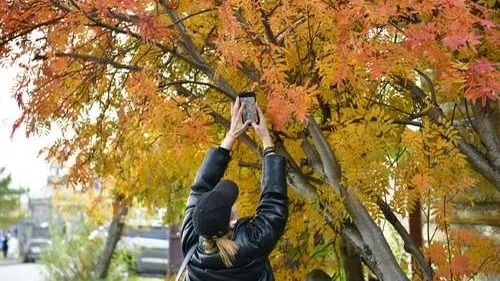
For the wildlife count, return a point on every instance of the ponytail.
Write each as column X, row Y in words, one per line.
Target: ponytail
column 226, row 247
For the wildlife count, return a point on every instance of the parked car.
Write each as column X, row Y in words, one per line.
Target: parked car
column 34, row 248
column 149, row 247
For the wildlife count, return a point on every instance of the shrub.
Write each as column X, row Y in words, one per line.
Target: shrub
column 75, row 252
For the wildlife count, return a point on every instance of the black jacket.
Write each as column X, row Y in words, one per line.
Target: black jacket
column 256, row 236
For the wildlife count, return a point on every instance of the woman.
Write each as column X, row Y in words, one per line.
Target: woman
column 226, row 248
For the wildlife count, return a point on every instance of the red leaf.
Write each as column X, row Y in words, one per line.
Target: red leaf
column 455, row 42
column 486, row 23
column 419, row 34
column 465, row 236
column 299, row 102
column 482, row 82
column 482, row 66
column 279, row 112
column 227, row 17
column 459, row 34
column 460, row 266
column 437, row 253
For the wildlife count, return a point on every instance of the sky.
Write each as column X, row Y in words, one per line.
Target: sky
column 20, row 155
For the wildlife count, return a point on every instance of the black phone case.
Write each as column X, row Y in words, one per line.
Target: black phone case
column 248, row 95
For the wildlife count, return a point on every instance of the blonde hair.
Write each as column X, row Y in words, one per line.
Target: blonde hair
column 226, row 247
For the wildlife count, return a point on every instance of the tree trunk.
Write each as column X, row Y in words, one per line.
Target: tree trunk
column 174, row 250
column 416, row 237
column 351, row 260
column 376, row 250
column 120, row 210
column 487, row 124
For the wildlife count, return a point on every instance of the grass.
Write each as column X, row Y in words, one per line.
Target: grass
column 142, row 278
column 131, row 278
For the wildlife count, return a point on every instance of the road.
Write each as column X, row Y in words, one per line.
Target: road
column 21, row 271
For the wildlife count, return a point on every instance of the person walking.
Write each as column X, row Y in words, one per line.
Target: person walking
column 216, row 244
column 5, row 245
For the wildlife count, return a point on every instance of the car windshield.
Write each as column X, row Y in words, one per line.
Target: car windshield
column 39, row 244
column 153, row 232
column 41, row 232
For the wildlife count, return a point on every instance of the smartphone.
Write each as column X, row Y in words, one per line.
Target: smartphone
column 248, row 100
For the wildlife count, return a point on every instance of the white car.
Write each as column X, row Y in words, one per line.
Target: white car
column 149, row 246
column 34, row 248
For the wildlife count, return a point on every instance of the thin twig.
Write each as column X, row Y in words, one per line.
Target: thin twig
column 164, row 85
column 101, row 60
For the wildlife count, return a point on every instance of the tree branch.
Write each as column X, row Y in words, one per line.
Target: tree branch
column 312, row 154
column 255, row 166
column 12, row 35
column 487, row 125
column 352, row 234
column 477, row 160
column 190, row 48
column 268, row 32
column 409, row 245
column 101, row 60
column 408, row 122
column 180, row 82
column 189, row 16
column 162, row 47
column 280, row 37
column 327, row 157
column 431, row 85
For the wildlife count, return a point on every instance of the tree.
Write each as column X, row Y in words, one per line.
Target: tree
column 376, row 105
column 9, row 201
column 120, row 210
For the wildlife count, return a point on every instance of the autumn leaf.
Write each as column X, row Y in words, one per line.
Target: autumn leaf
column 460, row 266
column 278, row 111
column 227, row 17
column 437, row 253
column 422, row 182
column 483, row 82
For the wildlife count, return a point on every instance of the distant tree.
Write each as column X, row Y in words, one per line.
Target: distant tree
column 9, row 201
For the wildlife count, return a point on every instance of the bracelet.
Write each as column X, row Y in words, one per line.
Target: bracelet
column 268, row 150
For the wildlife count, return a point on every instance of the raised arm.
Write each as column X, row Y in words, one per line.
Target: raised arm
column 210, row 173
column 266, row 228
column 272, row 213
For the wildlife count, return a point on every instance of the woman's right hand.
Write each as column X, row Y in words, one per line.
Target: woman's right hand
column 261, row 129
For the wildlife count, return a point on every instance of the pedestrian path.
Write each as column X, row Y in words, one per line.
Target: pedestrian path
column 15, row 270
column 9, row 261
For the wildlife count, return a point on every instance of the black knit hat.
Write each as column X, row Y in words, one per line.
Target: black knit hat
column 213, row 211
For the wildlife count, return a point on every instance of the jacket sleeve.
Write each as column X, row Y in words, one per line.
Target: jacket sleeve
column 211, row 171
column 266, row 228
